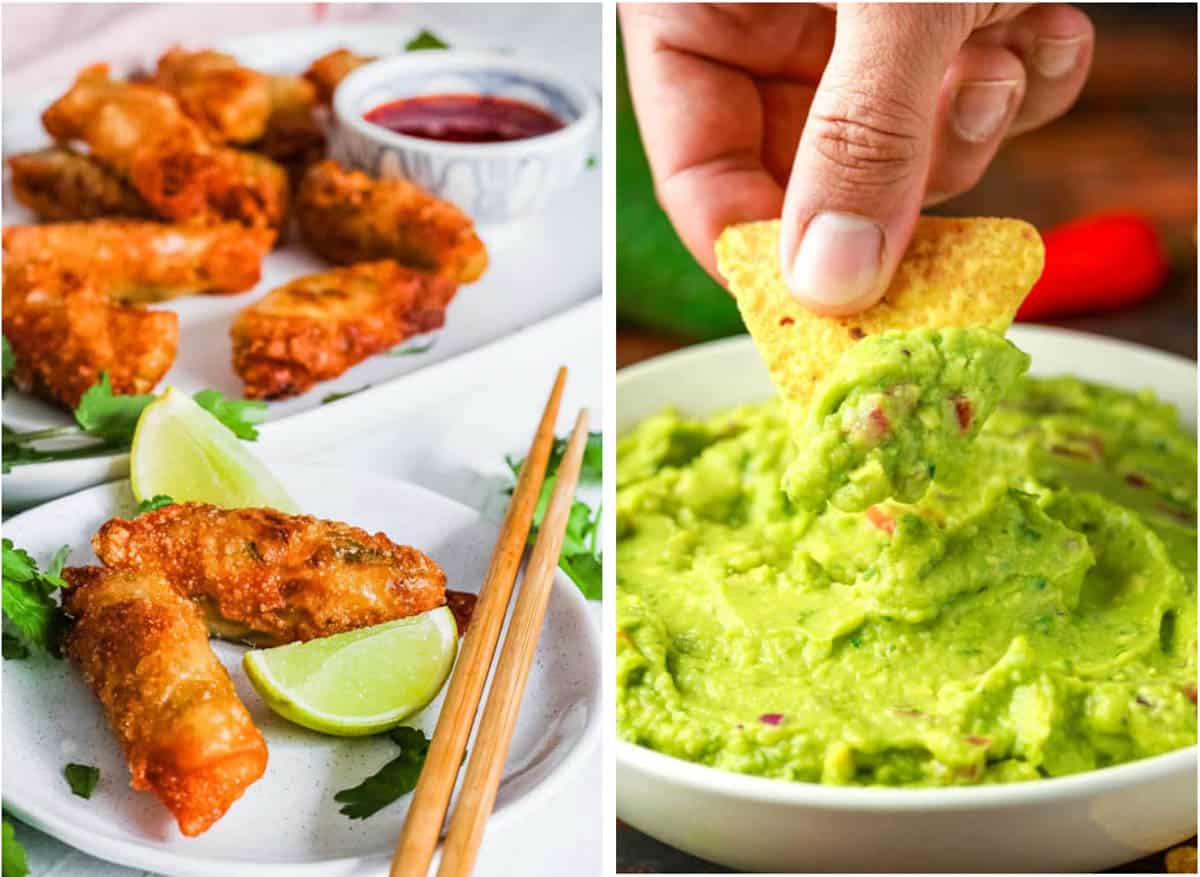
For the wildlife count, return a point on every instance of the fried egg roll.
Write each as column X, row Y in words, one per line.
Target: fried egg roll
column 138, row 131
column 57, row 183
column 135, row 261
column 330, row 69
column 143, row 650
column 267, row 578
column 64, row 331
column 315, row 327
column 229, row 102
column 347, row 217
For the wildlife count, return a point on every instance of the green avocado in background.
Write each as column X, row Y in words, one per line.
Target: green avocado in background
column 1029, row 611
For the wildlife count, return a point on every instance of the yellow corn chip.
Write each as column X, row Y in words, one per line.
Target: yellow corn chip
column 957, row 272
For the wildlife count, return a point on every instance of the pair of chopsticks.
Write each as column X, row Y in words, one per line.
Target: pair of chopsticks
column 417, row 842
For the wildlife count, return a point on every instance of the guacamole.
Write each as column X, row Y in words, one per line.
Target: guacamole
column 1024, row 608
column 899, row 406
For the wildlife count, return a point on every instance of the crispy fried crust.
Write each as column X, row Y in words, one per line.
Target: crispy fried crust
column 249, row 188
column 347, row 217
column 268, row 578
column 293, row 137
column 229, row 102
column 64, row 331
column 133, row 261
column 315, row 327
column 61, row 184
column 143, row 650
column 140, row 132
column 57, row 183
column 330, row 69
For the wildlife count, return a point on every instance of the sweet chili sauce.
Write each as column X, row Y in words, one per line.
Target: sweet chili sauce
column 464, row 118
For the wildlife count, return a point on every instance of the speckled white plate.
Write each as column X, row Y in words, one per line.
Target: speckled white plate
column 287, row 823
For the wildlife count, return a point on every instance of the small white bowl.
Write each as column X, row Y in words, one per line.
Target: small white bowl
column 495, row 183
column 1079, row 823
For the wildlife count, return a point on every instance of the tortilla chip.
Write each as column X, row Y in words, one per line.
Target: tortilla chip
column 1181, row 860
column 957, row 272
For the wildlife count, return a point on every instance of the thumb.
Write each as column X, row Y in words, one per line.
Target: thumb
column 858, row 178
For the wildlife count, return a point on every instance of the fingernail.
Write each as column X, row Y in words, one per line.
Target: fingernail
column 838, row 260
column 980, row 108
column 1054, row 57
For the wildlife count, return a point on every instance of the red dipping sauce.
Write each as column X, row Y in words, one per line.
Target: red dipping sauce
column 464, row 118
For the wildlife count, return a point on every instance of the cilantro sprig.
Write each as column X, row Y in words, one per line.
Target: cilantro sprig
column 29, row 609
column 154, row 503
column 110, row 420
column 392, row 781
column 425, row 40
column 82, row 778
column 14, row 862
column 580, row 559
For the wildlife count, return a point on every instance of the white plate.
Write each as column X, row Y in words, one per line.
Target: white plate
column 287, row 823
column 1078, row 823
column 537, row 269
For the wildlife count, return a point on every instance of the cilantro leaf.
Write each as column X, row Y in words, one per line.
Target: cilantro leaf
column 393, row 781
column 579, row 558
column 7, row 360
column 107, row 416
column 26, row 596
column 13, row 858
column 14, row 649
column 413, row 350
column 154, row 503
column 586, row 571
column 590, row 472
column 82, row 778
column 334, row 397
column 240, row 415
column 425, row 40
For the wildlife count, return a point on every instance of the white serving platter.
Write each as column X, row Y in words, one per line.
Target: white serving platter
column 538, row 269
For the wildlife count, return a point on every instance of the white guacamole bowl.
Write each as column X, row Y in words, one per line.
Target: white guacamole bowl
column 1079, row 823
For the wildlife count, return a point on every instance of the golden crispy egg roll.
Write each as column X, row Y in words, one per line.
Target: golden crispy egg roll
column 229, row 102
column 134, row 261
column 294, row 136
column 315, row 327
column 347, row 217
column 58, row 183
column 144, row 652
column 267, row 578
column 139, row 131
column 64, row 331
column 330, row 69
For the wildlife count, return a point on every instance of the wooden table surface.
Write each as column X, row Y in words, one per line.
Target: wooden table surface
column 1130, row 142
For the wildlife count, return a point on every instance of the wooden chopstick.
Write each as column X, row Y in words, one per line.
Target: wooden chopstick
column 482, row 779
column 423, row 825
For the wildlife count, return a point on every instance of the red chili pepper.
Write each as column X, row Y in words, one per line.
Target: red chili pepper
column 1095, row 264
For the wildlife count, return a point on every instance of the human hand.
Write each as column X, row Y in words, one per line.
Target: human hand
column 845, row 123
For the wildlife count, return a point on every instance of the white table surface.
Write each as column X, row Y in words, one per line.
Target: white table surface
column 453, row 442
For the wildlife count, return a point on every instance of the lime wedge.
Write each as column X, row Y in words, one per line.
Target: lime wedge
column 182, row 451
column 361, row 682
